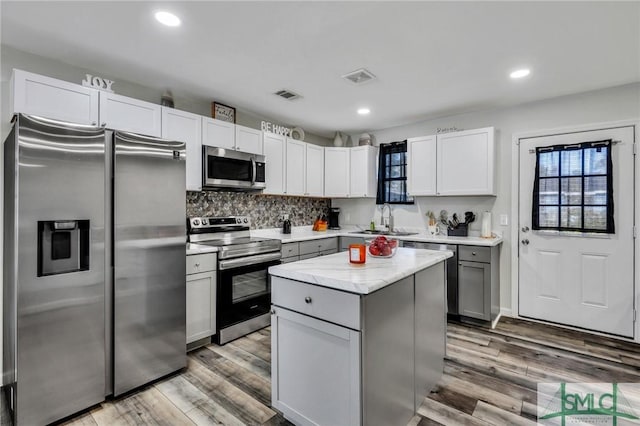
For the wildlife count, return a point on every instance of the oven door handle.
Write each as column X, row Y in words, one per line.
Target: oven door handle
column 250, row 260
column 254, row 171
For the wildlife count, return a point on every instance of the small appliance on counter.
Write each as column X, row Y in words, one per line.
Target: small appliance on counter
column 286, row 224
column 334, row 212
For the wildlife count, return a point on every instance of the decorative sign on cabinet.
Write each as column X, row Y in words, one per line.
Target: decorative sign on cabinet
column 97, row 83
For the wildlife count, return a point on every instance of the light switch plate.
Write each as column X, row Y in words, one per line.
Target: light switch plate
column 504, row 220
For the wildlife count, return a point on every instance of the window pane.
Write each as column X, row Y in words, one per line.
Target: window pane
column 549, row 162
column 571, row 217
column 397, row 158
column 397, row 190
column 396, row 171
column 571, row 162
column 595, row 161
column 548, row 216
column 387, row 160
column 595, row 218
column 571, row 191
column 595, row 190
column 549, row 191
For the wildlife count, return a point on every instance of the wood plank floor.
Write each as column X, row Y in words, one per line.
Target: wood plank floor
column 490, row 378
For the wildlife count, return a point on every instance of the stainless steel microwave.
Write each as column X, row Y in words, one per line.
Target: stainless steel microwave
column 234, row 170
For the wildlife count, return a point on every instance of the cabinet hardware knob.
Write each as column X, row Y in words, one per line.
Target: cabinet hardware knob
column 525, row 242
column 104, row 124
column 307, row 299
column 93, row 123
column 197, row 265
column 473, row 253
column 525, row 229
column 273, row 312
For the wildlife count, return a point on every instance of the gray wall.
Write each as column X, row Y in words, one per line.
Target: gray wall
column 612, row 104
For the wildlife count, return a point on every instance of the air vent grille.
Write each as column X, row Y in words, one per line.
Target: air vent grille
column 359, row 76
column 287, row 94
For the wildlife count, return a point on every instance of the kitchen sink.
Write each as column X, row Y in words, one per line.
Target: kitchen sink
column 392, row 233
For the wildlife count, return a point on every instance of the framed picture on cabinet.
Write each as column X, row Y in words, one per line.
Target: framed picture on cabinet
column 223, row 112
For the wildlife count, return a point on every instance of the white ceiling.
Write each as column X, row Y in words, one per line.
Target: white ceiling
column 431, row 58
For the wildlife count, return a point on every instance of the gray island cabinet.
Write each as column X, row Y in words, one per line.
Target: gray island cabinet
column 357, row 344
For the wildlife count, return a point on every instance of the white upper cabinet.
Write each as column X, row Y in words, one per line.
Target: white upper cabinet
column 336, row 172
column 218, row 133
column 186, row 127
column 465, row 164
column 314, row 174
column 421, row 166
column 275, row 155
column 130, row 115
column 363, row 178
column 56, row 99
column 248, row 140
column 295, row 170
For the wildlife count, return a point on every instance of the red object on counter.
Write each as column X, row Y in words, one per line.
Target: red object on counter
column 357, row 253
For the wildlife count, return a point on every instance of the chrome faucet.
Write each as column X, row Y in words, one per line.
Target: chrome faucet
column 389, row 221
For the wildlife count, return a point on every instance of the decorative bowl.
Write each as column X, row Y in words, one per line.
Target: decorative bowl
column 382, row 246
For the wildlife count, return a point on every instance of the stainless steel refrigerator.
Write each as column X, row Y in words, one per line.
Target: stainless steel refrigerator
column 94, row 265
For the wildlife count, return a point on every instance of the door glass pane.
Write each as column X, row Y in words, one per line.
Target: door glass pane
column 595, row 190
column 571, row 191
column 248, row 285
column 571, row 162
column 595, row 218
column 595, row 161
column 571, row 217
column 549, row 216
column 549, row 191
column 549, row 162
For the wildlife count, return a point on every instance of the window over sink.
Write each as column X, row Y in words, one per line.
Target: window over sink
column 392, row 174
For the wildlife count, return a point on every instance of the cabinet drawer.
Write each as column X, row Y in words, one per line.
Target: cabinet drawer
column 331, row 305
column 309, row 255
column 290, row 259
column 315, row 246
column 474, row 253
column 290, row 249
column 197, row 263
column 326, row 252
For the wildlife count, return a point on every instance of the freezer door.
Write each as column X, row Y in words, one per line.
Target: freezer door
column 149, row 214
column 58, row 215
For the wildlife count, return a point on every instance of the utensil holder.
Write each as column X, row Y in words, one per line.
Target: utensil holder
column 462, row 230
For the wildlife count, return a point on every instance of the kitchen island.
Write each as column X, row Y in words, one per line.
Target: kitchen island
column 357, row 344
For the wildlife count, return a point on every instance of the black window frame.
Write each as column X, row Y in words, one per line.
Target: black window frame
column 610, row 225
column 385, row 165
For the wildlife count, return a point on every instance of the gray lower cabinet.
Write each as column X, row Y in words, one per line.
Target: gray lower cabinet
column 346, row 241
column 478, row 282
column 201, row 297
column 340, row 358
column 292, row 252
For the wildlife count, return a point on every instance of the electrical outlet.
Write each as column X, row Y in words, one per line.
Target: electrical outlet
column 504, row 220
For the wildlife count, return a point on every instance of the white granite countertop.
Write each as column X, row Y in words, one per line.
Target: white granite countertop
column 304, row 233
column 335, row 271
column 200, row 249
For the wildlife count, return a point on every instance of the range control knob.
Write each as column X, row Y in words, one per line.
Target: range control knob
column 246, row 220
column 196, row 222
column 204, row 221
column 238, row 220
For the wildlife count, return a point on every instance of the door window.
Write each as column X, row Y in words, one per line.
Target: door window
column 573, row 188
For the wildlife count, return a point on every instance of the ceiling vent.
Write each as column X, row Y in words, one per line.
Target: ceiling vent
column 287, row 94
column 359, row 76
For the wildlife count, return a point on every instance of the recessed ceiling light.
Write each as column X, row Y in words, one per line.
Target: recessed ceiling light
column 520, row 73
column 364, row 111
column 167, row 18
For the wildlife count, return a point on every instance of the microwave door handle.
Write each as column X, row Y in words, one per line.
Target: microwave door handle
column 253, row 172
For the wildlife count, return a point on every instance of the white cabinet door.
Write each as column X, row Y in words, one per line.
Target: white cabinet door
column 248, row 140
column 336, row 172
column 314, row 173
column 421, row 166
column 274, row 152
column 466, row 163
column 186, row 127
column 201, row 306
column 221, row 134
column 362, row 172
column 296, row 152
column 50, row 98
column 130, row 115
column 319, row 383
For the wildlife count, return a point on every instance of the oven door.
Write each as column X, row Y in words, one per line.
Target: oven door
column 244, row 288
column 223, row 168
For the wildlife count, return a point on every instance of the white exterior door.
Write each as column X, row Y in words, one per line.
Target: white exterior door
column 574, row 278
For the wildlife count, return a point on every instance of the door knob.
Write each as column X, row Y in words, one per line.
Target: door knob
column 307, row 299
column 525, row 242
column 525, row 229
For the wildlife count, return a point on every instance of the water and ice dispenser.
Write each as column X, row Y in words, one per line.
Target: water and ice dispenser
column 63, row 246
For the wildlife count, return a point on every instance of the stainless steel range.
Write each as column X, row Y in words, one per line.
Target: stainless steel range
column 243, row 284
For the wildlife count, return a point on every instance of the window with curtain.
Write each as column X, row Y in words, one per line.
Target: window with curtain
column 392, row 174
column 573, row 188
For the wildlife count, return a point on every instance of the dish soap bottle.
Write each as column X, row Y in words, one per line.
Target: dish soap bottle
column 286, row 224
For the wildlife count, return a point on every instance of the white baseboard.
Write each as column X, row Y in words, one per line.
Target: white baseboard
column 507, row 312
